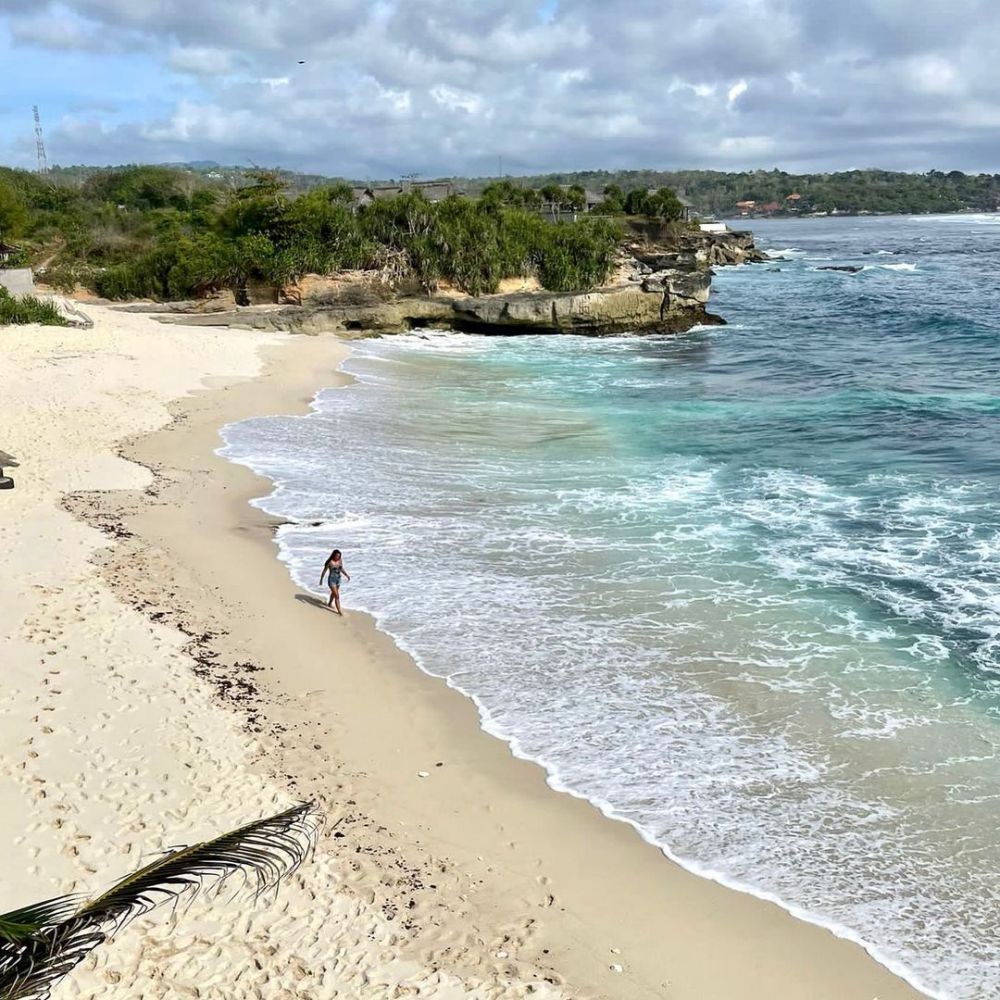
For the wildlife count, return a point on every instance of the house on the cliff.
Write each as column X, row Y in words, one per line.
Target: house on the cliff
column 433, row 191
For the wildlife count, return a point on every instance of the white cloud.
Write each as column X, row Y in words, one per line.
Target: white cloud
column 576, row 75
column 58, row 31
column 200, row 60
column 934, row 75
column 744, row 148
column 736, row 91
column 368, row 89
column 458, row 100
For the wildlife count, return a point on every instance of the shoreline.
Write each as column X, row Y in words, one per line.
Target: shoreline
column 460, row 713
column 549, row 772
column 476, row 880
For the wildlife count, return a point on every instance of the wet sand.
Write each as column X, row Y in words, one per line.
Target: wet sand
column 171, row 681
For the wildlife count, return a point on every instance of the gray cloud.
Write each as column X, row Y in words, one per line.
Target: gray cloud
column 400, row 85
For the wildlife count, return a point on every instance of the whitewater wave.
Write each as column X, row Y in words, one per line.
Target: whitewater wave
column 786, row 253
column 741, row 592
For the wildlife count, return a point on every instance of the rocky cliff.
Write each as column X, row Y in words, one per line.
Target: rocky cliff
column 658, row 287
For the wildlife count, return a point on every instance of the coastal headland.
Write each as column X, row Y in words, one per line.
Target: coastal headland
column 661, row 284
column 167, row 679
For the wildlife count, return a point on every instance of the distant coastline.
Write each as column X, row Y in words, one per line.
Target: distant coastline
column 710, row 192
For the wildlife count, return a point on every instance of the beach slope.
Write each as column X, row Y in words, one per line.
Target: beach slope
column 165, row 680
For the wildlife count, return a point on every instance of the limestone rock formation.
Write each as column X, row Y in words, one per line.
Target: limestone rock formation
column 657, row 288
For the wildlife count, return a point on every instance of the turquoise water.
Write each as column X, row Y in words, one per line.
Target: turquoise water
column 740, row 588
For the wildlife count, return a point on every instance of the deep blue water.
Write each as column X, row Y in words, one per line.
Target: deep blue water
column 740, row 588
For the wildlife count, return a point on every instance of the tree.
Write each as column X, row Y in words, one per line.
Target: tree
column 501, row 193
column 553, row 194
column 257, row 207
column 665, row 205
column 41, row 944
column 530, row 198
column 614, row 199
column 576, row 197
column 636, row 202
column 506, row 193
column 140, row 188
column 13, row 212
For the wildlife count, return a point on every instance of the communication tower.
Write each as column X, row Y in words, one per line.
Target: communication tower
column 43, row 163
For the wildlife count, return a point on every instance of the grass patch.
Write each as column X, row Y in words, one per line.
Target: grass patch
column 28, row 309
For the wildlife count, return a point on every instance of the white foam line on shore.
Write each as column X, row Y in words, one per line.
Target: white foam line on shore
column 553, row 778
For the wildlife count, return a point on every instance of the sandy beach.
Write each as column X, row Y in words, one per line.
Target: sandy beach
column 165, row 680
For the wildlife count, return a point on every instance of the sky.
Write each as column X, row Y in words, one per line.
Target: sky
column 382, row 88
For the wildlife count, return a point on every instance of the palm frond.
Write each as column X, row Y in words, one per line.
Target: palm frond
column 29, row 969
column 267, row 850
column 48, row 940
column 19, row 925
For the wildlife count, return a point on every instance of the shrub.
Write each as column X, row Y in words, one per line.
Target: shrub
column 577, row 255
column 145, row 277
column 27, row 309
column 66, row 275
column 13, row 211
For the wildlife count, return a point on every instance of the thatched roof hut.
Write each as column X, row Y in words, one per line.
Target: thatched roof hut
column 7, row 251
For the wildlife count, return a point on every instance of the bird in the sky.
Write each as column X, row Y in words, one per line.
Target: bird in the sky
column 302, row 62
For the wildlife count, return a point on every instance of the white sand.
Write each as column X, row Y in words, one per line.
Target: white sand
column 476, row 882
column 112, row 748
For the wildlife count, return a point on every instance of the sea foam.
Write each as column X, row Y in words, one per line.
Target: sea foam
column 738, row 591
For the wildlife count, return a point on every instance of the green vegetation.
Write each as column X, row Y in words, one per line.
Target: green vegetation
column 167, row 234
column 174, row 233
column 27, row 309
column 661, row 204
column 713, row 192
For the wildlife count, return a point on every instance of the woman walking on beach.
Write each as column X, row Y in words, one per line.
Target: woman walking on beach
column 335, row 567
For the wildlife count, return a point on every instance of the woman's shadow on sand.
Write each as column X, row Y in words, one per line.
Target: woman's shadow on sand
column 314, row 601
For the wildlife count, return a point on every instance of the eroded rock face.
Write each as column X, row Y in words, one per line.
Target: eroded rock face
column 657, row 289
column 671, row 307
column 686, row 289
column 601, row 311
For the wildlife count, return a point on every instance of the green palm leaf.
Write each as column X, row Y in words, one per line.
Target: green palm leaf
column 40, row 944
column 19, row 925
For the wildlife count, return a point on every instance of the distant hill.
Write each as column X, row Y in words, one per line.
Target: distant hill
column 712, row 192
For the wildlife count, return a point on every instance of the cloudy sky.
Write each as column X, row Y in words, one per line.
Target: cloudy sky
column 380, row 88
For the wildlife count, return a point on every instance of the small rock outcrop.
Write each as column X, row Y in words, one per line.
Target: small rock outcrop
column 721, row 248
column 668, row 304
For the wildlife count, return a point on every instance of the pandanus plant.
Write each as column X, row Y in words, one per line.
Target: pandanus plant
column 40, row 944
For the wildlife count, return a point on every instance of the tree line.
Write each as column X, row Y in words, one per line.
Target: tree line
column 168, row 234
column 613, row 200
column 714, row 192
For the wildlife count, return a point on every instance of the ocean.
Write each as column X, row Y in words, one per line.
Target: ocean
column 739, row 588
